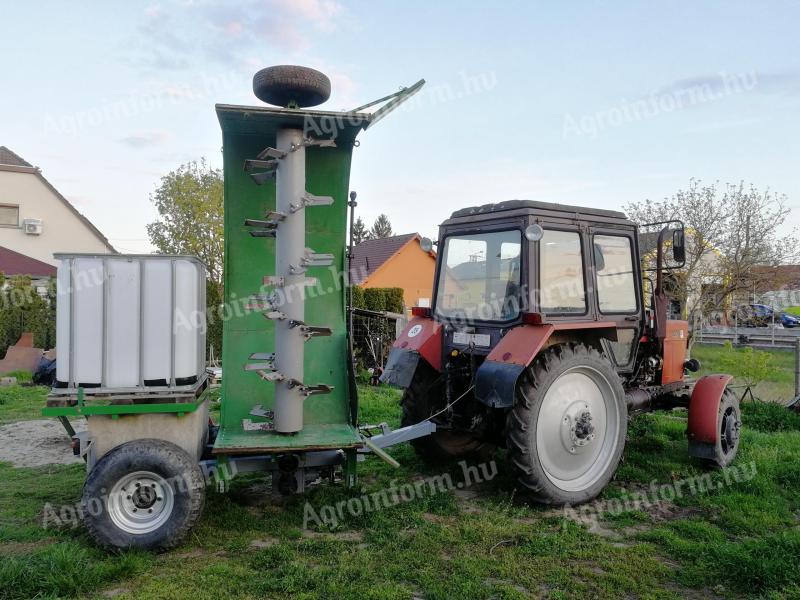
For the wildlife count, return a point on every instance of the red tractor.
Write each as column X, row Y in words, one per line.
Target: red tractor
column 542, row 340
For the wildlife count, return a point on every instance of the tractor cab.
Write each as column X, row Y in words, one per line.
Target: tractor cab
column 540, row 338
column 524, row 262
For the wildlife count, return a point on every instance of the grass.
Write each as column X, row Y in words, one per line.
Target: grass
column 734, row 540
column 21, row 402
column 793, row 310
column 777, row 387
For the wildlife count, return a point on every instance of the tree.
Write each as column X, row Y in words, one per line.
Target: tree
column 731, row 231
column 189, row 204
column 382, row 228
column 360, row 232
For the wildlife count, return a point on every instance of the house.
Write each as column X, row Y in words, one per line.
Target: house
column 36, row 220
column 396, row 261
column 13, row 263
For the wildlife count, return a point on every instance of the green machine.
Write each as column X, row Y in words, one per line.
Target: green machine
column 288, row 387
column 288, row 401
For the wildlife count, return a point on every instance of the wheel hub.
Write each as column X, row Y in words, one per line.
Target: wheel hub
column 578, row 429
column 140, row 502
column 731, row 426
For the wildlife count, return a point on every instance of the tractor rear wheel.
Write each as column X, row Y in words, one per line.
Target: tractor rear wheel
column 421, row 400
column 567, row 429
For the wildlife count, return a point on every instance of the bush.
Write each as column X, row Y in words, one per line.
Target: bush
column 378, row 299
column 747, row 364
column 23, row 309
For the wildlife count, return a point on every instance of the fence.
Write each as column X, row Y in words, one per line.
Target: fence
column 784, row 384
column 373, row 335
column 785, row 339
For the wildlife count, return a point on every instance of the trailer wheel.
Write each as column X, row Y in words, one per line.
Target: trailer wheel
column 144, row 494
column 567, row 429
column 418, row 404
column 729, row 423
column 284, row 85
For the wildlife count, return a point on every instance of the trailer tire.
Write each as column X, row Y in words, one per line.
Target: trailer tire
column 145, row 494
column 283, row 85
column 566, row 431
column 443, row 445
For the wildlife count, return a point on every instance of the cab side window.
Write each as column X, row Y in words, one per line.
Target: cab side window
column 616, row 287
column 561, row 279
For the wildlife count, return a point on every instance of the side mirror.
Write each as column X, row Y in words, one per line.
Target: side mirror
column 678, row 246
column 599, row 258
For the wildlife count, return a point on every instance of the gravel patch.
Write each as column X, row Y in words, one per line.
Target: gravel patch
column 37, row 443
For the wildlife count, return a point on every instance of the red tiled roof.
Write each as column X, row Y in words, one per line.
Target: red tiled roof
column 7, row 157
column 369, row 255
column 14, row 263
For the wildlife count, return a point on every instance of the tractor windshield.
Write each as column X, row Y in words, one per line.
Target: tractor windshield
column 480, row 276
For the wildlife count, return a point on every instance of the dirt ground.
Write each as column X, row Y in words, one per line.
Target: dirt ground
column 37, row 443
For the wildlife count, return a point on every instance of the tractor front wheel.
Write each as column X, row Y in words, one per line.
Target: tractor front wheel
column 567, row 429
column 421, row 400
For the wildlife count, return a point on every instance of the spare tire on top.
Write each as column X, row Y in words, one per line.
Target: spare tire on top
column 285, row 85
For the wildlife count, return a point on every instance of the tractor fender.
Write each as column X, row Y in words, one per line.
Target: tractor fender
column 702, row 424
column 496, row 379
column 421, row 339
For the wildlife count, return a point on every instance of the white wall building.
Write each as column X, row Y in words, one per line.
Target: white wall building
column 36, row 220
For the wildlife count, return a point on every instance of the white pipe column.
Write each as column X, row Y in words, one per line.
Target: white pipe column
column 290, row 239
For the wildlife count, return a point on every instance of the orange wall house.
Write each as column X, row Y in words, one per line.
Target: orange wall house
column 397, row 261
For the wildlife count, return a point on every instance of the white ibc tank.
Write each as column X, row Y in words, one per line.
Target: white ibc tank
column 130, row 321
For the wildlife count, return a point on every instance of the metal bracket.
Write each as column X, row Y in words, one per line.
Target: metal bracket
column 392, row 102
column 248, row 425
column 314, row 259
column 275, row 315
column 280, row 281
column 307, row 200
column 266, row 369
column 309, row 331
column 259, row 411
column 269, row 166
column 309, row 390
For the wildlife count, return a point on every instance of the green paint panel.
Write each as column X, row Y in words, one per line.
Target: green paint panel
column 119, row 409
column 312, row 437
column 246, row 131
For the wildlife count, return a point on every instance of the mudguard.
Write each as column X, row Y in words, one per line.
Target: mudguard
column 422, row 338
column 496, row 379
column 702, row 427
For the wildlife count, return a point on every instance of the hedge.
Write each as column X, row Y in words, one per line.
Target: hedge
column 378, row 299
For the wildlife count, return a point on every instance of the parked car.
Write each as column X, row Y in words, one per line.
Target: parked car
column 760, row 315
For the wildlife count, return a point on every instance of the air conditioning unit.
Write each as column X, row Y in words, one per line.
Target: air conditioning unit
column 32, row 226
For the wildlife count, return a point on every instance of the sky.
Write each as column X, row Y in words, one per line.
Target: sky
column 586, row 102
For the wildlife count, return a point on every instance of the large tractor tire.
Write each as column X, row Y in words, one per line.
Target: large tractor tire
column 286, row 85
column 144, row 494
column 566, row 432
column 423, row 398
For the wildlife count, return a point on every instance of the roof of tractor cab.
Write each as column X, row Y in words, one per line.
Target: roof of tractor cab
column 513, row 208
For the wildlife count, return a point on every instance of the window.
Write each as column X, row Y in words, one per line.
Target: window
column 480, row 276
column 9, row 215
column 561, row 285
column 616, row 288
